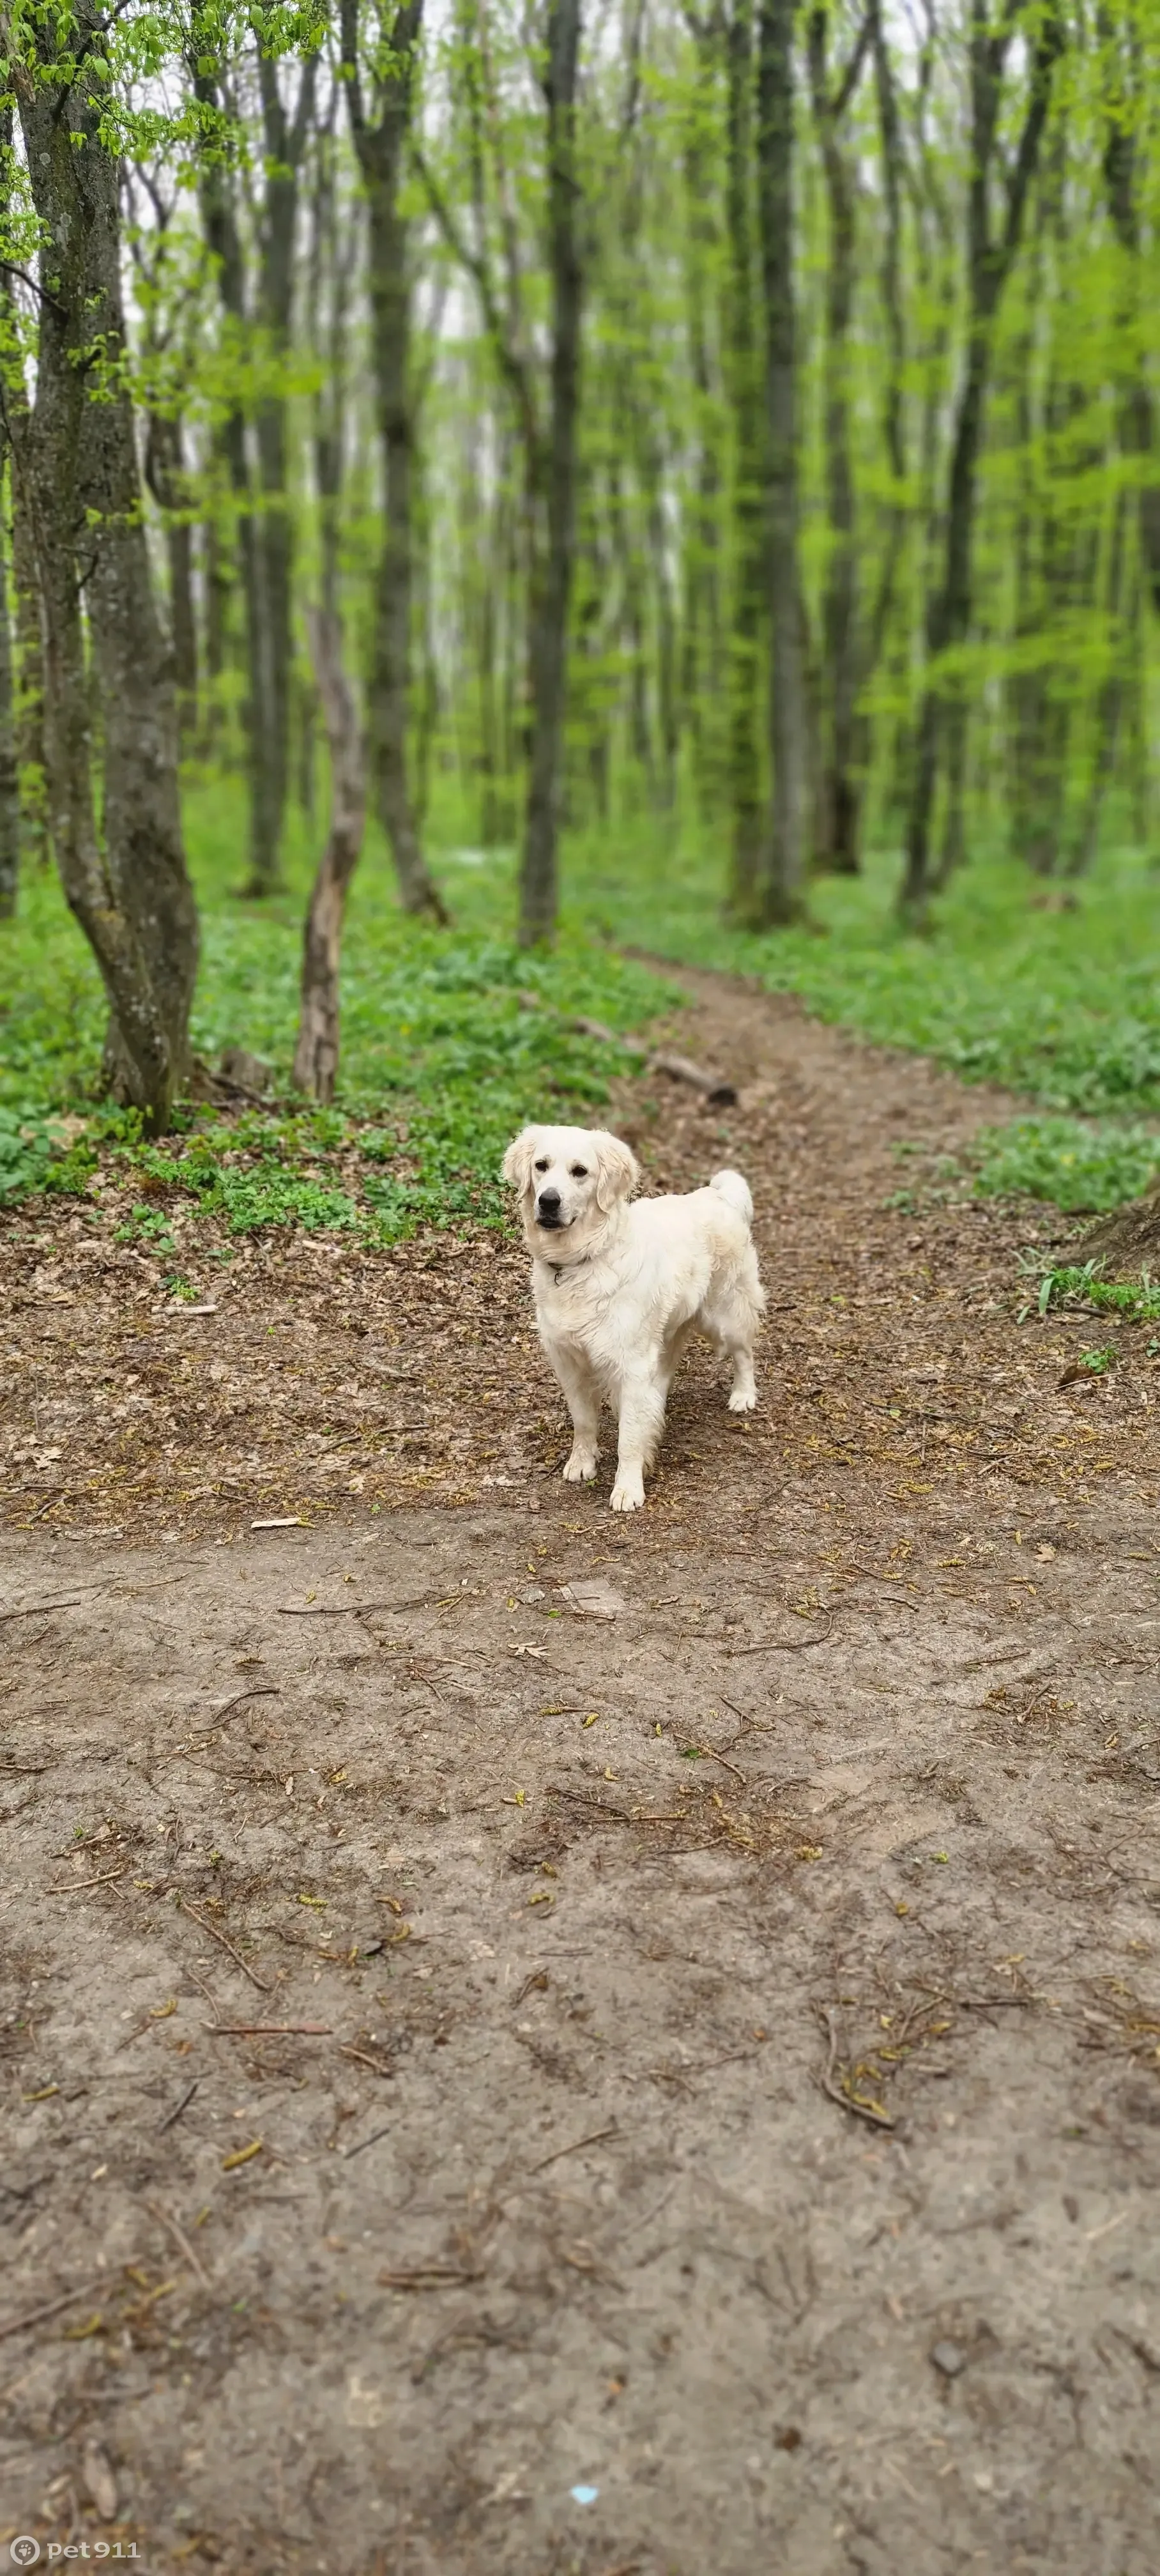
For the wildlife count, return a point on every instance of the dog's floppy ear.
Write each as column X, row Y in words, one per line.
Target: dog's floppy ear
column 617, row 1171
column 517, row 1162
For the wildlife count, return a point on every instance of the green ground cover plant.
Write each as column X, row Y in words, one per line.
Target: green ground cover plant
column 452, row 1039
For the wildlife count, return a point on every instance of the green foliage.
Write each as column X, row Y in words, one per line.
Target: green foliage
column 1069, row 1285
column 1064, row 1007
column 26, row 1154
column 451, row 1041
column 1081, row 1169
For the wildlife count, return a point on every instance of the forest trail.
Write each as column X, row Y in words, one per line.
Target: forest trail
column 730, row 1937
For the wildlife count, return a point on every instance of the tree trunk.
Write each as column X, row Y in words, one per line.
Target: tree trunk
column 224, row 243
column 316, row 1054
column 9, row 774
column 379, row 148
column 1119, row 619
column 1037, row 701
column 127, row 882
column 837, row 839
column 273, row 537
column 989, row 264
column 783, row 858
column 552, row 577
column 27, row 681
column 216, row 614
column 748, row 571
column 1137, row 421
column 165, row 475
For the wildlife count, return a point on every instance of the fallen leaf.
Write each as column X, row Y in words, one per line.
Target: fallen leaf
column 99, row 2480
column 241, row 2156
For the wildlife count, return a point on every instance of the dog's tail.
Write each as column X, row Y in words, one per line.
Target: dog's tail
column 735, row 1192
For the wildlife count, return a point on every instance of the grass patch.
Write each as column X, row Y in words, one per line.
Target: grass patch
column 442, row 1059
column 1085, row 1170
column 1067, row 1285
column 1062, row 1006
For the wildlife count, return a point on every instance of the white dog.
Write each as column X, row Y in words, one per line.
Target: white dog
column 621, row 1290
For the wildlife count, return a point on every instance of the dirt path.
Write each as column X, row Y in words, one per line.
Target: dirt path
column 732, row 1935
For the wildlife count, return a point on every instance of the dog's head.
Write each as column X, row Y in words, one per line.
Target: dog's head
column 569, row 1180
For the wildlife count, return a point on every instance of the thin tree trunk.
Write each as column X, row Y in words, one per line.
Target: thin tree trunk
column 316, row 1054
column 216, row 620
column 700, row 656
column 165, row 475
column 837, row 839
column 1038, row 736
column 1137, row 417
column 748, row 570
column 379, row 148
column 9, row 774
column 223, row 240
column 1109, row 708
column 548, row 624
column 783, row 858
column 27, row 681
column 989, row 264
column 285, row 141
column 127, row 882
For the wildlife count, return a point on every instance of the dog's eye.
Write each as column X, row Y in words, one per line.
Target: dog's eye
column 579, row 1171
column 541, row 1167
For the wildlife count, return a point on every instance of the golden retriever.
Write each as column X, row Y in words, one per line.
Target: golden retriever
column 621, row 1290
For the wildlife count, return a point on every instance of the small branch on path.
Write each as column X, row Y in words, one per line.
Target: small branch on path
column 781, row 1646
column 255, row 1980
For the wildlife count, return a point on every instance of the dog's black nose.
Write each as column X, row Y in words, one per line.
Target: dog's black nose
column 548, row 1203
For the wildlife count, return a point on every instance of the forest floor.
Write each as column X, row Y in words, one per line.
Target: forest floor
column 726, row 1942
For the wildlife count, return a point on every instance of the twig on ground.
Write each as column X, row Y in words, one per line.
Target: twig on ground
column 348, row 2152
column 593, row 2139
column 77, row 1886
column 268, row 2029
column 261, row 1983
column 781, row 1646
column 178, row 2107
column 428, row 2276
column 85, row 1841
column 51, row 2308
column 709, row 1753
column 349, row 1609
column 261, row 1690
column 862, row 2108
column 362, row 2059
column 38, row 1609
column 180, row 2239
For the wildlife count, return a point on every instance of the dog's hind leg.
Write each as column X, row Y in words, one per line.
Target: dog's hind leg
column 731, row 1315
column 583, row 1400
column 642, row 1416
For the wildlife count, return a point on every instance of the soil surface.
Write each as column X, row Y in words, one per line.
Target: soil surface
column 725, row 1943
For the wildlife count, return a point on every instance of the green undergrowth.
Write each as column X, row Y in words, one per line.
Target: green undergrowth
column 451, row 1041
column 1082, row 1167
column 1135, row 1301
column 442, row 1058
column 1061, row 1006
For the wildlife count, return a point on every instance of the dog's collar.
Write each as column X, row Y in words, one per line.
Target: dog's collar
column 558, row 1268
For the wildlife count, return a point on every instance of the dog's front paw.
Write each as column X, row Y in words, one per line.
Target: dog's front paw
column 743, row 1400
column 581, row 1467
column 628, row 1491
